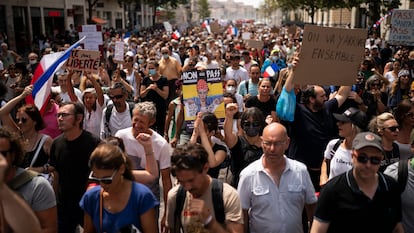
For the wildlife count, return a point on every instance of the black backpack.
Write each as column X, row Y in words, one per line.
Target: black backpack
column 402, row 174
column 218, row 203
column 108, row 112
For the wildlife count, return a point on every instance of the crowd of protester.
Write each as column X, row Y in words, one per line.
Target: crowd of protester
column 106, row 141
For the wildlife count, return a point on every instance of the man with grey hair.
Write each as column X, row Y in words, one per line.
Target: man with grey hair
column 117, row 115
column 143, row 117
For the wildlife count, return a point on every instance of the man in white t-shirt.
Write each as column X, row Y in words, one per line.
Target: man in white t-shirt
column 235, row 71
column 62, row 89
column 143, row 117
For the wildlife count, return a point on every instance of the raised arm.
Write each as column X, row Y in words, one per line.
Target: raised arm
column 229, row 137
column 71, row 92
column 151, row 167
column 97, row 87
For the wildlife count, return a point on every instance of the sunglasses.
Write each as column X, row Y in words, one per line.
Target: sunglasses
column 105, row 180
column 248, row 124
column 391, row 128
column 363, row 158
column 23, row 120
column 116, row 97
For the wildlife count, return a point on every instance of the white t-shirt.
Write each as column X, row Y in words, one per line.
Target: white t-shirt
column 92, row 120
column 117, row 121
column 239, row 75
column 341, row 161
column 65, row 96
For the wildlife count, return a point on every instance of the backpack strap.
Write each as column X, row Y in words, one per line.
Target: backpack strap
column 108, row 113
column 246, row 84
column 179, row 203
column 332, row 153
column 22, row 179
column 402, row 174
column 217, row 194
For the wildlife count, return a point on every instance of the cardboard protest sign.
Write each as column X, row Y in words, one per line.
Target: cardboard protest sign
column 84, row 60
column 119, row 52
column 246, row 35
column 202, row 92
column 258, row 44
column 215, row 27
column 402, row 28
column 330, row 55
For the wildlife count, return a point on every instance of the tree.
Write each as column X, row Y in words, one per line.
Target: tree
column 203, row 9
column 91, row 5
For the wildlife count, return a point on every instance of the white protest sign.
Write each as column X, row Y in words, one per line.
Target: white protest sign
column 402, row 28
column 84, row 60
column 119, row 52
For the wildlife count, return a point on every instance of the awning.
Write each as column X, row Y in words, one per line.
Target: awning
column 98, row 20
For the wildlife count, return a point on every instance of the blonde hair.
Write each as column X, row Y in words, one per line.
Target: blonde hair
column 377, row 123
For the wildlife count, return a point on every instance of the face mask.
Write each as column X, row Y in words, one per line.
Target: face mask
column 252, row 131
column 231, row 89
column 152, row 71
column 140, row 61
column 165, row 56
column 32, row 62
column 274, row 58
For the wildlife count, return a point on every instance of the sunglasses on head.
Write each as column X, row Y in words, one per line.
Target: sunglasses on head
column 391, row 128
column 363, row 158
column 23, row 120
column 248, row 124
column 105, row 180
column 116, row 96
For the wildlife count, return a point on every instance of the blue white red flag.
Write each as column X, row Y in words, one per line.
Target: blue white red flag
column 43, row 76
column 271, row 70
column 232, row 31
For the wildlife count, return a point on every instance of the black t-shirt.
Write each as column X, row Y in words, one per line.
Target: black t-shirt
column 242, row 154
column 70, row 159
column 153, row 96
column 266, row 107
column 347, row 209
column 311, row 132
column 390, row 157
column 214, row 172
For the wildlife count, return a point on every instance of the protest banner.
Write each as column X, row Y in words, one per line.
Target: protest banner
column 258, row 44
column 215, row 27
column 119, row 52
column 402, row 28
column 93, row 36
column 84, row 60
column 330, row 56
column 202, row 92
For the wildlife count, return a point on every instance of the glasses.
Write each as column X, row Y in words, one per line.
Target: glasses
column 363, row 158
column 391, row 128
column 105, row 180
column 23, row 120
column 116, row 97
column 275, row 144
column 248, row 124
column 375, row 85
column 129, row 60
column 63, row 114
column 409, row 114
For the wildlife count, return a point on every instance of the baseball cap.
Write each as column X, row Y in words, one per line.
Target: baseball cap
column 403, row 73
column 367, row 139
column 196, row 47
column 353, row 115
column 129, row 54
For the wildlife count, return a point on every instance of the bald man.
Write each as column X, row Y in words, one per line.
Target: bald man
column 274, row 189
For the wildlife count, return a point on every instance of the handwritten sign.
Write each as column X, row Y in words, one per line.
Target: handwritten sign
column 215, row 27
column 119, row 52
column 85, row 60
column 330, row 55
column 258, row 44
column 402, row 28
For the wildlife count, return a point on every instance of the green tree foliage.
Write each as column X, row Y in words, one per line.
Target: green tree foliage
column 203, row 9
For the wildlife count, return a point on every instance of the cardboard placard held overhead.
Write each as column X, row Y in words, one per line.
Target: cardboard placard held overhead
column 402, row 28
column 330, row 56
column 84, row 60
column 258, row 44
column 119, row 52
column 215, row 27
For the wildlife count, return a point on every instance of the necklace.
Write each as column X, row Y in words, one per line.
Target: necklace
column 30, row 142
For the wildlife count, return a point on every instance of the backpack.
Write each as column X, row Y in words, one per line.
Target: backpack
column 332, row 153
column 218, row 203
column 108, row 112
column 402, row 174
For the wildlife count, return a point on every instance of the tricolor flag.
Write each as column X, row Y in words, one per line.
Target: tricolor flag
column 206, row 25
column 176, row 35
column 43, row 76
column 232, row 30
column 271, row 70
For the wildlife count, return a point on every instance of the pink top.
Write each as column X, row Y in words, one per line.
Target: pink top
column 51, row 122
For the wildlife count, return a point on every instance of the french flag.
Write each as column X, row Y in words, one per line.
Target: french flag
column 176, row 35
column 271, row 70
column 232, row 30
column 43, row 76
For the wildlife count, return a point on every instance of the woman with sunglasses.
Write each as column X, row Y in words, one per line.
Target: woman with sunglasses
column 373, row 96
column 400, row 89
column 404, row 114
column 386, row 127
column 37, row 145
column 118, row 203
column 337, row 155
